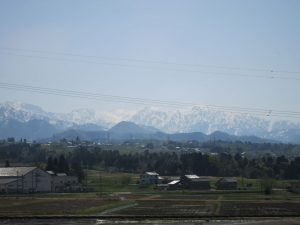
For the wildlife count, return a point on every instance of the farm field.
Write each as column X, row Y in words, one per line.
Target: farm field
column 215, row 204
column 163, row 204
column 278, row 221
column 117, row 195
column 75, row 204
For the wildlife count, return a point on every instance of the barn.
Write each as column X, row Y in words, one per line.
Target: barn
column 194, row 182
column 24, row 180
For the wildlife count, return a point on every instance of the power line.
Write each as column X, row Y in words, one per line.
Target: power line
column 143, row 101
column 268, row 74
column 150, row 61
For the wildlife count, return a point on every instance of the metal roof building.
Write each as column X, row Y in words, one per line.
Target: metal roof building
column 24, row 180
column 195, row 182
column 15, row 171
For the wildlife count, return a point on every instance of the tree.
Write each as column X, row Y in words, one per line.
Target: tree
column 63, row 166
column 267, row 185
column 77, row 170
column 7, row 163
column 55, row 164
column 50, row 164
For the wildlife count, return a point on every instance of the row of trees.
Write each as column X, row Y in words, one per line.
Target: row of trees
column 165, row 163
column 62, row 165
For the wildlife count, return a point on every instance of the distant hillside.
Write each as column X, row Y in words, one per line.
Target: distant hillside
column 72, row 134
column 130, row 131
column 31, row 130
column 88, row 127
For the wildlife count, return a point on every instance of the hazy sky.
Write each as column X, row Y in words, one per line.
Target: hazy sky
column 232, row 46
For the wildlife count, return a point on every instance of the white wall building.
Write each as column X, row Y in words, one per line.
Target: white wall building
column 24, row 180
column 150, row 178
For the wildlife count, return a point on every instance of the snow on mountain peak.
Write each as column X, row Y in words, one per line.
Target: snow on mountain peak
column 21, row 112
column 206, row 120
column 193, row 119
column 25, row 112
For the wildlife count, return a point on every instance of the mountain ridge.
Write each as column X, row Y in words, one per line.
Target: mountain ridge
column 129, row 131
column 189, row 120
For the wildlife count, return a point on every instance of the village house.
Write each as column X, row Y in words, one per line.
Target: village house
column 193, row 182
column 24, row 180
column 226, row 183
column 174, row 185
column 150, row 178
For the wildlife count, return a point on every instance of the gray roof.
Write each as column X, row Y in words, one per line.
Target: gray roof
column 174, row 182
column 195, row 178
column 15, row 171
column 192, row 176
column 61, row 174
column 152, row 173
column 228, row 180
column 50, row 172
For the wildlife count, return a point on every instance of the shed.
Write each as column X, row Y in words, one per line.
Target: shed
column 174, row 185
column 150, row 178
column 194, row 182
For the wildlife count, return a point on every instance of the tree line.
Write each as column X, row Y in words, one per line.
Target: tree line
column 171, row 163
column 164, row 162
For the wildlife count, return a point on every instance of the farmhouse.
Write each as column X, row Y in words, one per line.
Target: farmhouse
column 174, row 185
column 226, row 183
column 193, row 182
column 24, row 180
column 150, row 178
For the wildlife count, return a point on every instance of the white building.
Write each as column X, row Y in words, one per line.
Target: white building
column 150, row 178
column 24, row 180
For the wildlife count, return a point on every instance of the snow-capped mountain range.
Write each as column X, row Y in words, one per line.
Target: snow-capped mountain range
column 22, row 112
column 196, row 119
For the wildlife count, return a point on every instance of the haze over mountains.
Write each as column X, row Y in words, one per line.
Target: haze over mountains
column 31, row 122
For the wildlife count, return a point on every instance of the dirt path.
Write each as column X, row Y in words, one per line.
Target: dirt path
column 219, row 204
column 117, row 209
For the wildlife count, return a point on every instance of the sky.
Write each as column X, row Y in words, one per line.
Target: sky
column 227, row 53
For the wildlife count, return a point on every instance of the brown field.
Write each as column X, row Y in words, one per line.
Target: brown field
column 260, row 209
column 224, row 205
column 23, row 206
column 155, row 203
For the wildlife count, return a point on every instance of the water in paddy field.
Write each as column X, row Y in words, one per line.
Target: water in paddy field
column 113, row 222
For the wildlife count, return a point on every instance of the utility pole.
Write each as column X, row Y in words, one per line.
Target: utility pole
column 100, row 182
column 86, row 174
column 22, row 183
column 32, row 181
column 18, row 182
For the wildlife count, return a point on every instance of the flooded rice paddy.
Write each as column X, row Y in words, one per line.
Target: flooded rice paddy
column 278, row 221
